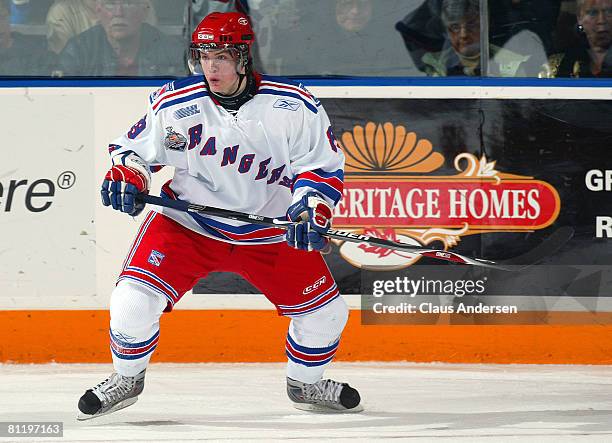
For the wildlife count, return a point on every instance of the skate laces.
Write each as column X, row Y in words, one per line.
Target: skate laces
column 323, row 390
column 114, row 387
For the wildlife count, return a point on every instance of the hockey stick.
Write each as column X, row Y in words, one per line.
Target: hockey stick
column 453, row 257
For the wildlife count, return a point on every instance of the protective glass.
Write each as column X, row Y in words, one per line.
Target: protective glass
column 129, row 5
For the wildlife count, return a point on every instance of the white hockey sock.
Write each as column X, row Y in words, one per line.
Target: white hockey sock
column 134, row 326
column 313, row 339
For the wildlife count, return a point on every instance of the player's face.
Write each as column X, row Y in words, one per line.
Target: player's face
column 219, row 68
column 464, row 35
column 122, row 18
column 595, row 16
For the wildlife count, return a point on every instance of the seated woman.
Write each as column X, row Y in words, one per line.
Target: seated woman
column 588, row 56
column 462, row 57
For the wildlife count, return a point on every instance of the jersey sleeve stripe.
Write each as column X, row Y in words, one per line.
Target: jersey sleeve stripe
column 333, row 179
column 324, row 188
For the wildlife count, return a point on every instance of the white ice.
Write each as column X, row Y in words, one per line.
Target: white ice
column 403, row 402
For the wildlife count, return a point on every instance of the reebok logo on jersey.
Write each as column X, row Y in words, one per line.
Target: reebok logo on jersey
column 155, row 258
column 282, row 103
column 186, row 112
column 315, row 285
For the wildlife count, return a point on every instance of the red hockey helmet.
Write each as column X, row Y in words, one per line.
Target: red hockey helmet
column 223, row 30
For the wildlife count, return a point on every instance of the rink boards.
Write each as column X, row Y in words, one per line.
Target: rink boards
column 60, row 250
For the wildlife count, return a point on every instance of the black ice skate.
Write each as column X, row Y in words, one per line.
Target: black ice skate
column 324, row 396
column 114, row 393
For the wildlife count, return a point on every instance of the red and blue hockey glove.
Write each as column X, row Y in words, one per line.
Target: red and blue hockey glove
column 123, row 182
column 313, row 215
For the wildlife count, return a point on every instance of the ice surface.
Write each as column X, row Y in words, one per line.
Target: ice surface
column 403, row 401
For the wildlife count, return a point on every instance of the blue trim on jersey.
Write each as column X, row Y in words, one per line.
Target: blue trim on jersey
column 182, row 100
column 212, row 226
column 187, row 81
column 283, row 80
column 244, row 229
column 288, row 94
column 338, row 173
column 322, row 187
column 312, row 351
column 210, row 230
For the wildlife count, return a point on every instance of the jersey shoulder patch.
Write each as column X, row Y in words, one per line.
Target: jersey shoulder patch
column 178, row 92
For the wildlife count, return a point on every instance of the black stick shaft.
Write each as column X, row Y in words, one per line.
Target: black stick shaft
column 184, row 206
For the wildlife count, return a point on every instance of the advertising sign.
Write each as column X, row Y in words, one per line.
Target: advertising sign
column 495, row 179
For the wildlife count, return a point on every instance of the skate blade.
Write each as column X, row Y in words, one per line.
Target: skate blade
column 325, row 410
column 121, row 405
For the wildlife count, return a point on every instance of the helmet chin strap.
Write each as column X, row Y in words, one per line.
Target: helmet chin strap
column 233, row 94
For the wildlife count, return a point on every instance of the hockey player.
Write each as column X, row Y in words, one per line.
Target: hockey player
column 245, row 142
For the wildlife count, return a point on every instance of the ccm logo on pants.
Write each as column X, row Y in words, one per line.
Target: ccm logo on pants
column 315, row 285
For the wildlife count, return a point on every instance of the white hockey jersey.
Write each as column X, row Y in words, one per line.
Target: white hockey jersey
column 278, row 146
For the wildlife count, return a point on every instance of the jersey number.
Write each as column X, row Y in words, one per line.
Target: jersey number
column 137, row 128
column 332, row 139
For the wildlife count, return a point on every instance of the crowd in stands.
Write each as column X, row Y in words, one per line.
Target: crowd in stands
column 144, row 38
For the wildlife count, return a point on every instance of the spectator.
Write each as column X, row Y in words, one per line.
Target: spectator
column 528, row 23
column 510, row 17
column 353, row 15
column 353, row 43
column 462, row 56
column 67, row 18
column 122, row 44
column 422, row 31
column 21, row 55
column 350, row 37
column 589, row 56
